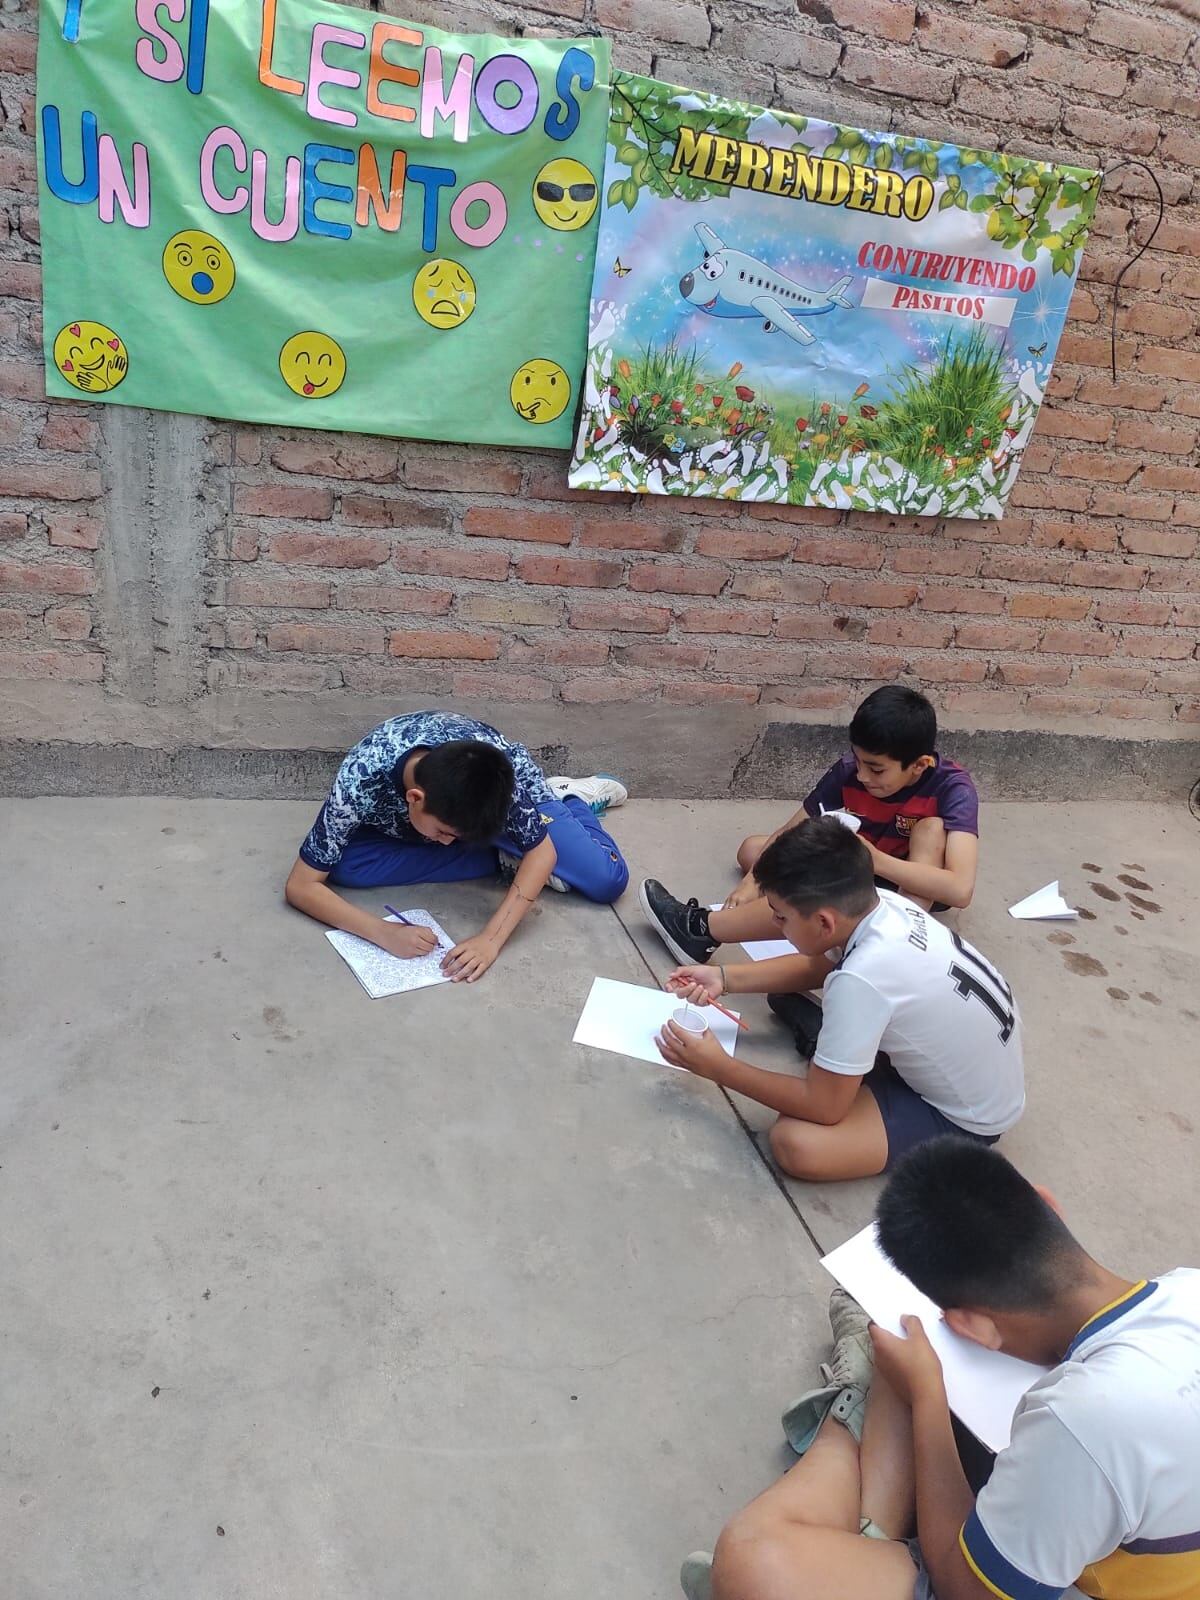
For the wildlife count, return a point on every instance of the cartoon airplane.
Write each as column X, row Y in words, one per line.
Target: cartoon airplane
column 729, row 283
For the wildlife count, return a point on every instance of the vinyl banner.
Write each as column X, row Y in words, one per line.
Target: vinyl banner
column 787, row 310
column 297, row 212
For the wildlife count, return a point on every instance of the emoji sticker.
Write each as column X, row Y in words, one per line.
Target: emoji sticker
column 565, row 194
column 540, row 390
column 198, row 267
column 444, row 293
column 91, row 356
column 312, row 365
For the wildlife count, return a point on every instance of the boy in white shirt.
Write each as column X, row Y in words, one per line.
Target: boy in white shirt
column 1097, row 1492
column 917, row 1034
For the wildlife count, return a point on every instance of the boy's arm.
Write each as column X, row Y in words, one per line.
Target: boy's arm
column 823, row 1097
column 953, row 884
column 308, row 891
column 472, row 957
column 779, row 975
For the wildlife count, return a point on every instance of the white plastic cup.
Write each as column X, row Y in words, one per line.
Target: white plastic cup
column 690, row 1020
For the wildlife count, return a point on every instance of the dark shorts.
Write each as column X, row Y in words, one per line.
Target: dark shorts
column 907, row 1119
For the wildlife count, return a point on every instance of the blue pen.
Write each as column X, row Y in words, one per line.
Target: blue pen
column 392, row 912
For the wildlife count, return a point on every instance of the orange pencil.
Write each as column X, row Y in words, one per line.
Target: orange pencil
column 724, row 1013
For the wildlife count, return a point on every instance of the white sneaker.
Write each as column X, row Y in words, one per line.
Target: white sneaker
column 600, row 793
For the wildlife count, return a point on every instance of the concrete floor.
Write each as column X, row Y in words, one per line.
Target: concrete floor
column 415, row 1298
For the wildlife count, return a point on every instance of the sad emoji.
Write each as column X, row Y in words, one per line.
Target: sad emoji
column 444, row 293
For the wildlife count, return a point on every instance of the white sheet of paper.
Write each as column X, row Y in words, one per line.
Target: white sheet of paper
column 1045, row 904
column 846, row 818
column 626, row 1018
column 763, row 949
column 381, row 973
column 982, row 1386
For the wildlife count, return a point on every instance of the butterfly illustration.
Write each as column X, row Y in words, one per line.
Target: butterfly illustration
column 1039, row 350
column 621, row 270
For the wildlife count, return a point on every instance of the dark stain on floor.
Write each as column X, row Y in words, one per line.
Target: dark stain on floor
column 1104, row 891
column 1119, row 994
column 1060, row 938
column 1088, row 916
column 1152, row 999
column 1137, row 916
column 1120, row 929
column 1131, row 882
column 1084, row 966
column 1090, row 866
column 1133, row 866
column 1184, row 1124
column 1146, row 905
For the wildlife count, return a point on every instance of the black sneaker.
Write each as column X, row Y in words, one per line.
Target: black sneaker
column 803, row 1017
column 683, row 928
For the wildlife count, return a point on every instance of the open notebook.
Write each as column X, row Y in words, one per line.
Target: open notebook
column 382, row 974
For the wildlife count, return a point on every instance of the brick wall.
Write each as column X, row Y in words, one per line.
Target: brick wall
column 359, row 566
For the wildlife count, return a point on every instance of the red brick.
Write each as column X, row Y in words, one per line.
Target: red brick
column 74, row 533
column 726, row 619
column 1144, row 36
column 445, row 646
column 1160, row 434
column 659, row 656
column 513, row 522
column 1150, row 613
column 247, row 447
column 881, row 19
column 1022, row 567
column 1132, row 396
column 1101, row 575
column 20, row 380
column 568, row 652
column 995, row 636
column 45, row 577
column 670, row 21
column 852, row 553
column 81, row 667
column 688, row 694
column 1054, row 496
column 459, row 470
column 619, row 616
column 893, row 73
column 452, row 563
column 378, row 511
column 1061, row 607
column 68, row 622
column 244, row 546
column 18, row 50
column 503, row 686
column 808, row 516
column 859, row 664
column 608, row 690
column 300, row 593
column 627, row 533
column 1096, row 465
column 1065, row 705
column 1183, row 680
column 766, row 663
column 1096, row 74
column 15, row 525
column 297, row 676
column 1083, row 425
column 1021, row 674
column 1131, row 679
column 338, row 456
column 1162, row 90
column 569, row 571
column 1157, row 647
column 1094, row 349
column 669, row 577
column 283, row 500
column 1182, row 616
column 68, row 430
column 1159, row 321
column 325, row 638
column 1068, row 16
column 1145, row 507
column 22, row 280
column 329, row 550
column 732, row 546
column 948, row 668
column 785, row 48
column 790, row 587
column 14, row 624
column 1168, row 362
column 922, row 632
column 240, row 635
column 947, row 563
column 969, row 40
column 1158, row 542
column 820, row 625
column 387, row 597
column 1077, row 642
column 1024, row 107
column 44, row 482
column 1187, row 403
column 1082, row 307
column 1161, row 476
column 512, row 610
column 1056, row 533
column 859, row 592
column 1180, row 232
column 946, row 598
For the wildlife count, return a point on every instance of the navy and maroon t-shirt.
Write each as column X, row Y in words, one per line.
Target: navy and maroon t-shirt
column 945, row 790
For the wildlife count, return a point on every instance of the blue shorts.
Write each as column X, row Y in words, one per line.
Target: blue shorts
column 907, row 1119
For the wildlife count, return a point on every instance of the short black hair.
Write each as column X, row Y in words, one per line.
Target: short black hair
column 896, row 722
column 469, row 786
column 961, row 1223
column 818, row 863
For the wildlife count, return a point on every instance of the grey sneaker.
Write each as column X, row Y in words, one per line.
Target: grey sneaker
column 847, row 1377
column 695, row 1576
column 507, row 864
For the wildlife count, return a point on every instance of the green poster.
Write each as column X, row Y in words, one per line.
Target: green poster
column 298, row 212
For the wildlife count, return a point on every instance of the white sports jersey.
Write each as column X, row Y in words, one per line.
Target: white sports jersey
column 946, row 1018
column 1100, row 1485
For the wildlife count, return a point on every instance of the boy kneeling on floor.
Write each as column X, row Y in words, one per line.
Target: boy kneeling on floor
column 917, row 1034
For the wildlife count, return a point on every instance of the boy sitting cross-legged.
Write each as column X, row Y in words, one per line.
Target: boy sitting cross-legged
column 916, row 1035
column 1097, row 1492
column 916, row 811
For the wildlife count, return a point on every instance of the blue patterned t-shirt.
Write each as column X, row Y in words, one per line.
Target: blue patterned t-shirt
column 366, row 794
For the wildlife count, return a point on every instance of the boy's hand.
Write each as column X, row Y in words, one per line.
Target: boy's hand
column 399, row 939
column 909, row 1364
column 697, row 984
column 746, row 892
column 703, row 1055
column 471, row 958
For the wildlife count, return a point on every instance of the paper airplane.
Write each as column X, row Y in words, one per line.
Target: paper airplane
column 1046, row 904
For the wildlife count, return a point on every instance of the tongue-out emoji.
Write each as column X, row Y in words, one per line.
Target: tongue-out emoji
column 312, row 365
